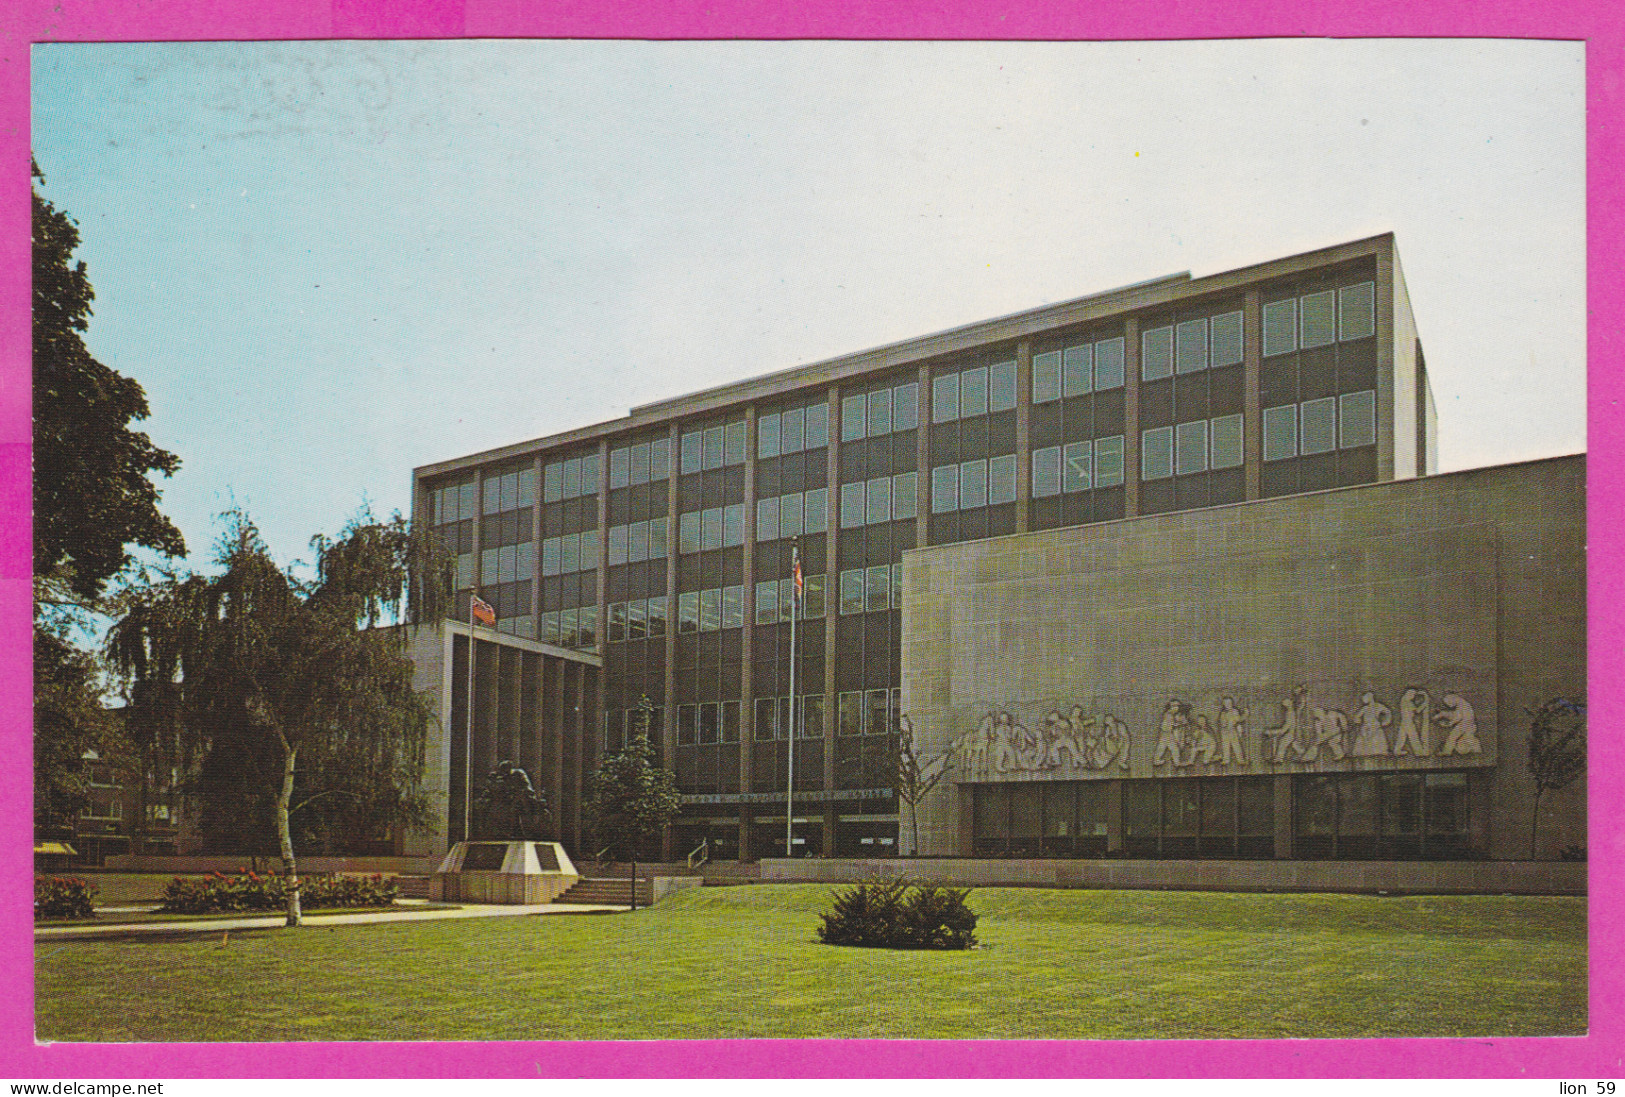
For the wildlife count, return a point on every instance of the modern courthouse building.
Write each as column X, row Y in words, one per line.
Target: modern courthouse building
column 1158, row 573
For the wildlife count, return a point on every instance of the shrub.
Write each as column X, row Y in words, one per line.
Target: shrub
column 250, row 891
column 887, row 914
column 63, row 897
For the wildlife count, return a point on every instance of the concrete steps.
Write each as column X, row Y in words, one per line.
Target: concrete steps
column 608, row 891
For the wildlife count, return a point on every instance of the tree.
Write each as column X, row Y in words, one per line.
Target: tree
column 630, row 798
column 1557, row 751
column 92, row 499
column 914, row 782
column 291, row 693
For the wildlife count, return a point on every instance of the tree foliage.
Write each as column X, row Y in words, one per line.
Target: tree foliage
column 297, row 706
column 68, row 722
column 1557, row 750
column 914, row 781
column 630, row 799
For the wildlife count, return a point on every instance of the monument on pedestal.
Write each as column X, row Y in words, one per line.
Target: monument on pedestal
column 505, row 863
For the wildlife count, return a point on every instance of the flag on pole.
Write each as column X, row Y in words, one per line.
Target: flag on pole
column 795, row 566
column 480, row 610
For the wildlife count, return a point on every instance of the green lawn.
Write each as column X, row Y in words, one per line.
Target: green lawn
column 744, row 962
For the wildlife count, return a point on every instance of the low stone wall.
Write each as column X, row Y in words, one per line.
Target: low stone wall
column 1424, row 877
column 182, row 866
column 662, row 886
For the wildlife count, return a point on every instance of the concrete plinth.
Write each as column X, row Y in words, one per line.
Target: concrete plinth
column 504, row 872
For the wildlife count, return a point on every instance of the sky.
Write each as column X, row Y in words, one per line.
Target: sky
column 331, row 262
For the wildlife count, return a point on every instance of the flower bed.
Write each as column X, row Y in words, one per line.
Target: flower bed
column 251, row 891
column 63, row 897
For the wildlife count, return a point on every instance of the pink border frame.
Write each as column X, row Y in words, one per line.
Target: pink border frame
column 1595, row 1056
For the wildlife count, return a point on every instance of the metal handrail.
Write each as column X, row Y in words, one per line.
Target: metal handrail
column 702, row 851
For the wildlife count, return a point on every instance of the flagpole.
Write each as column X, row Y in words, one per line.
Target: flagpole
column 468, row 742
column 790, row 780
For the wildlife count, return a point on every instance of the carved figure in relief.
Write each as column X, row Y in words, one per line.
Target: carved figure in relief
column 1230, row 722
column 1113, row 743
column 1330, row 727
column 1415, row 727
column 1062, row 737
column 1458, row 720
column 974, row 749
column 1005, row 747
column 1287, row 737
column 1202, row 744
column 1372, row 716
column 1171, row 733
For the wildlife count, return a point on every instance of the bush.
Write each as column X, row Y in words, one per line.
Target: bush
column 250, row 891
column 887, row 914
column 63, row 897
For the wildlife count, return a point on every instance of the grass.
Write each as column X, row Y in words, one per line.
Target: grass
column 106, row 918
column 743, row 962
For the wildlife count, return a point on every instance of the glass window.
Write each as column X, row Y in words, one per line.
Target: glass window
column 1317, row 316
column 1046, row 471
column 767, row 519
column 638, row 620
column 688, row 532
column 877, row 712
column 466, row 499
column 1280, row 327
column 505, row 562
column 637, row 542
column 1280, row 432
column 687, row 725
column 710, row 610
column 709, row 728
column 852, row 417
column 1075, row 464
column 1190, row 447
column 688, row 611
column 1225, row 333
column 905, row 406
column 849, row 713
column 1001, row 386
column 767, row 602
column 734, row 443
column 1077, row 372
column 879, row 412
column 711, row 528
column 852, row 591
column 733, row 524
column 1046, row 377
column 973, row 392
column 787, row 599
column 617, row 622
column 1357, row 419
column 1357, row 311
column 570, row 553
column 1227, row 444
column 897, row 586
column 972, row 484
column 549, row 631
column 657, row 616
column 767, row 436
column 658, row 545
column 617, row 545
column 1319, row 425
column 1001, row 479
column 812, row 716
column 589, row 474
column 945, row 398
column 817, row 509
column 1109, row 363
column 1157, row 453
column 879, row 509
column 525, row 565
column 638, row 465
column 817, row 425
column 791, row 425
column 465, row 570
column 1192, row 346
column 1109, row 461
column 852, row 505
column 488, row 567
column 572, row 478
column 812, row 596
column 587, row 626
column 713, row 448
column 944, row 489
column 527, row 486
column 730, row 721
column 767, row 719
column 589, row 550
column 692, row 446
column 877, row 587
column 1156, row 353
column 790, row 515
column 733, row 606
column 659, row 459
column 904, row 502
column 492, row 495
column 620, row 467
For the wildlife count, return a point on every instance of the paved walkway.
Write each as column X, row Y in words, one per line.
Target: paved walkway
column 402, row 913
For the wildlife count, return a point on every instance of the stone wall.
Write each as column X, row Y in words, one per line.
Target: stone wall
column 1408, row 625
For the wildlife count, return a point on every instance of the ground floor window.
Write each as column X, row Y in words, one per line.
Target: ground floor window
column 1041, row 819
column 1385, row 817
column 1229, row 817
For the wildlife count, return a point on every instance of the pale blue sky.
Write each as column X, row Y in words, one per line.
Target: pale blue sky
column 330, row 262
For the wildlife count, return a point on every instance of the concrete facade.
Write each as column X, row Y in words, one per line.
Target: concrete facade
column 1374, row 618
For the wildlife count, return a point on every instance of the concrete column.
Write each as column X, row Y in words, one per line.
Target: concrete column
column 1114, row 817
column 1252, row 424
column 1385, row 363
column 832, row 594
column 575, row 706
column 922, row 449
column 668, row 733
column 601, row 634
column 1024, row 410
column 1283, row 816
column 1131, row 417
column 747, row 635
column 536, row 551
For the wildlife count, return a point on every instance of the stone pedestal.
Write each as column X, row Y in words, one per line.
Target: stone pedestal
column 520, row 873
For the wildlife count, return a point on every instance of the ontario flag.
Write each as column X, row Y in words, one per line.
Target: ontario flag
column 480, row 610
column 795, row 571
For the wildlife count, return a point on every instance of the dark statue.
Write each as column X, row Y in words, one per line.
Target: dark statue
column 509, row 806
